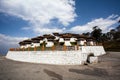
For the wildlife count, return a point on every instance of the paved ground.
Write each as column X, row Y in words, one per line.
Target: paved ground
column 108, row 68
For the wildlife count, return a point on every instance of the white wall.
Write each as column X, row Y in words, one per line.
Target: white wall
column 91, row 43
column 56, row 37
column 61, row 40
column 35, row 44
column 41, row 41
column 49, row 57
column 73, row 39
column 49, row 44
column 96, row 50
column 67, row 43
column 56, row 57
column 22, row 46
column 27, row 45
column 81, row 42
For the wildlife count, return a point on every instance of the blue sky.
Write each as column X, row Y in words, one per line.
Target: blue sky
column 22, row 19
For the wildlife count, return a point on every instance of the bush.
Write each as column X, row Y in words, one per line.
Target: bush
column 73, row 43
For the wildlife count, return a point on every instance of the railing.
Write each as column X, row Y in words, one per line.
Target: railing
column 54, row 48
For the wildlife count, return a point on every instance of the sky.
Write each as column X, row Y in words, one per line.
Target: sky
column 23, row 19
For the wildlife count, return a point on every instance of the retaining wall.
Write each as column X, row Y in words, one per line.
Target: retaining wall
column 96, row 50
column 49, row 57
column 56, row 57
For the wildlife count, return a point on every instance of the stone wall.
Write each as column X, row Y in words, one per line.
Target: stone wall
column 49, row 57
column 96, row 50
column 76, row 57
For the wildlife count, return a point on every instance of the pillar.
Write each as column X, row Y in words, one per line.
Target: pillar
column 28, row 48
column 53, row 48
column 23, row 48
column 35, row 48
column 43, row 48
column 85, row 44
column 64, row 48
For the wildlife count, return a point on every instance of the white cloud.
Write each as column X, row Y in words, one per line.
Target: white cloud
column 39, row 13
column 104, row 23
column 47, row 30
column 7, row 42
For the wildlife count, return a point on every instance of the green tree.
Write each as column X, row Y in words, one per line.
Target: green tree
column 112, row 34
column 87, row 34
column 117, row 34
column 96, row 33
column 104, row 37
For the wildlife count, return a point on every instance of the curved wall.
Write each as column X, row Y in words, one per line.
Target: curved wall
column 56, row 57
column 49, row 57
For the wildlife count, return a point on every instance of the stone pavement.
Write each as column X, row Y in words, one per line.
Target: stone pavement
column 108, row 68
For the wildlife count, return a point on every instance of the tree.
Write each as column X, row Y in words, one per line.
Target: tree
column 87, row 34
column 104, row 37
column 112, row 33
column 117, row 34
column 96, row 33
column 118, row 28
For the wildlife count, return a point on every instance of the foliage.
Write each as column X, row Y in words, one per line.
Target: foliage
column 110, row 40
column 96, row 33
column 73, row 43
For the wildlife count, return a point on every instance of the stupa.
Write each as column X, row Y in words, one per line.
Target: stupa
column 58, row 49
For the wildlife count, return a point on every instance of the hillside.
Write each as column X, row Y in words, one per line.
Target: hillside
column 112, row 46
